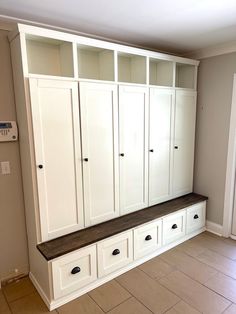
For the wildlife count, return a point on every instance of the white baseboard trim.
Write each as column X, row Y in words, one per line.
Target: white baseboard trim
column 39, row 289
column 214, row 228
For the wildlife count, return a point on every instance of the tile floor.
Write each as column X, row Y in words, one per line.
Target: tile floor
column 198, row 276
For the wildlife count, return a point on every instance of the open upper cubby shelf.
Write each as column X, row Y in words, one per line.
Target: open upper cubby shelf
column 95, row 63
column 185, row 75
column 161, row 72
column 131, row 68
column 49, row 56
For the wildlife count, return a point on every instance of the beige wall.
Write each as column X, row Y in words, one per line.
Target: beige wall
column 13, row 242
column 215, row 83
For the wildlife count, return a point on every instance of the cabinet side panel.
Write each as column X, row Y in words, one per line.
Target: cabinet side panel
column 38, row 265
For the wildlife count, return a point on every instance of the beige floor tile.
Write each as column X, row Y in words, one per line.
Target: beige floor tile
column 109, row 295
column 148, row 291
column 156, row 268
column 195, row 294
column 218, row 245
column 191, row 248
column 189, row 265
column 231, row 309
column 182, row 308
column 219, row 262
column 82, row 305
column 131, row 306
column 4, row 308
column 224, row 285
column 31, row 304
column 18, row 289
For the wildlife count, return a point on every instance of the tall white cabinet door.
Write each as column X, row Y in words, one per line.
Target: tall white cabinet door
column 185, row 116
column 133, row 150
column 160, row 134
column 99, row 121
column 55, row 117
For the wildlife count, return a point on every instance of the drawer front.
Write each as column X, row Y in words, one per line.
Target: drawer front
column 196, row 217
column 114, row 253
column 174, row 227
column 147, row 239
column 74, row 271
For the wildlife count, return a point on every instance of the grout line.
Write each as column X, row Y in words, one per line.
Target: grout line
column 6, row 301
column 94, row 302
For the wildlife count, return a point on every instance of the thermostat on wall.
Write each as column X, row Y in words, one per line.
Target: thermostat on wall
column 8, row 131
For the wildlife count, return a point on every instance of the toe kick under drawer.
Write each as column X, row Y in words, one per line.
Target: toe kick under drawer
column 174, row 227
column 115, row 253
column 74, row 271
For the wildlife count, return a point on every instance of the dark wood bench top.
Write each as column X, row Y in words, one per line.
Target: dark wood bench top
column 76, row 240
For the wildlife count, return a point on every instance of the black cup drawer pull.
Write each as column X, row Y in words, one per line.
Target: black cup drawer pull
column 148, row 237
column 195, row 216
column 75, row 270
column 174, row 226
column 116, row 252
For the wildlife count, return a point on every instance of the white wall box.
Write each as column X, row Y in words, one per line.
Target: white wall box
column 161, row 72
column 99, row 121
column 105, row 130
column 95, row 63
column 49, row 56
column 74, row 271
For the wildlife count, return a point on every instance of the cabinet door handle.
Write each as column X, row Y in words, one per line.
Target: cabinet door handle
column 122, row 154
column 176, row 147
column 195, row 216
column 151, row 150
column 75, row 270
column 116, row 252
column 40, row 166
column 148, row 237
column 86, row 159
column 174, row 226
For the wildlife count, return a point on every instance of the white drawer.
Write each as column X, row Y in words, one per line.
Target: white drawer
column 147, row 238
column 114, row 253
column 73, row 271
column 196, row 217
column 174, row 227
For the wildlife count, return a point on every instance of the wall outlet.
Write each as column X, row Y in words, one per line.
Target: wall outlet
column 5, row 167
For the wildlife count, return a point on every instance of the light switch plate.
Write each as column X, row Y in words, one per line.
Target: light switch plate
column 5, row 167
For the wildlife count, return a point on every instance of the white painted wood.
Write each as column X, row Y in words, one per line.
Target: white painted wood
column 99, row 121
column 184, row 137
column 131, row 68
column 64, row 282
column 107, row 261
column 161, row 72
column 174, row 227
column 185, row 76
column 133, row 128
column 196, row 217
column 214, row 228
column 55, row 115
column 160, row 132
column 229, row 224
column 147, row 238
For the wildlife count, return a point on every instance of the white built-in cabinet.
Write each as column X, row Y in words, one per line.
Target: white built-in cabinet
column 56, row 129
column 99, row 123
column 133, row 140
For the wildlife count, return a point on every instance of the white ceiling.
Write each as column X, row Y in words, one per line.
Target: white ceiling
column 178, row 26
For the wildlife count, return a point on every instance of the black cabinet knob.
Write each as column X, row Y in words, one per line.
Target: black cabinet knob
column 116, row 252
column 174, row 226
column 85, row 159
column 40, row 166
column 195, row 216
column 151, row 150
column 148, row 237
column 176, row 147
column 122, row 154
column 75, row 270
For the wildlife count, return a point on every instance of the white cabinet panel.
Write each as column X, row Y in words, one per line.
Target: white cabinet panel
column 160, row 144
column 99, row 121
column 174, row 227
column 147, row 238
column 55, row 115
column 115, row 253
column 185, row 116
column 74, row 271
column 196, row 217
column 133, row 119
